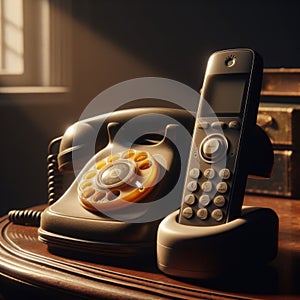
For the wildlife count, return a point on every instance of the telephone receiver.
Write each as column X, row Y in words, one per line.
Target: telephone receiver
column 130, row 167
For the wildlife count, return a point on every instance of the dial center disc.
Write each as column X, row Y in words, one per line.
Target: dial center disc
column 116, row 174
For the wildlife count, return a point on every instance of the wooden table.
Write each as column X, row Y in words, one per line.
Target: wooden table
column 28, row 267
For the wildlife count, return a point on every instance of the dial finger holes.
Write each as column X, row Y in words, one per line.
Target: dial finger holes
column 128, row 154
column 89, row 175
column 140, row 156
column 100, row 164
column 86, row 189
column 113, row 158
column 113, row 195
column 87, row 193
column 99, row 197
column 144, row 165
column 86, row 184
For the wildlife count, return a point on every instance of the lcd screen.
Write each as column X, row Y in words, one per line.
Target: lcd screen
column 225, row 93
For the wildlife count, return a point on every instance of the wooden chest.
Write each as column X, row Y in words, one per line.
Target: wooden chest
column 284, row 181
column 279, row 116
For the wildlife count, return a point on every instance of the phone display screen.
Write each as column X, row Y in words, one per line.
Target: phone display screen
column 225, row 93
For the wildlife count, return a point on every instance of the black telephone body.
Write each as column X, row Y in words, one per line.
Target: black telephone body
column 97, row 213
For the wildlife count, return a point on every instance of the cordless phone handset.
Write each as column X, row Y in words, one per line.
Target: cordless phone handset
column 218, row 166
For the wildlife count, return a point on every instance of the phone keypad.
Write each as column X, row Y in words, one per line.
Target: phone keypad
column 210, row 199
column 209, row 185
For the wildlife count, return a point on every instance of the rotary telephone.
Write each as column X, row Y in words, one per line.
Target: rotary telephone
column 128, row 181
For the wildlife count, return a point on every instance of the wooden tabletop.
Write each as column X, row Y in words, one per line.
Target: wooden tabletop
column 27, row 265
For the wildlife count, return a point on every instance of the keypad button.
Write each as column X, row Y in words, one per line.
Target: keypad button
column 192, row 186
column 234, row 125
column 219, row 201
column 204, row 200
column 203, row 125
column 224, row 173
column 206, row 186
column 187, row 212
column 209, row 173
column 189, row 199
column 217, row 214
column 194, row 173
column 218, row 125
column 202, row 213
column 222, row 187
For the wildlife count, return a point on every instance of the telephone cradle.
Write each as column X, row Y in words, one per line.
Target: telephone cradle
column 214, row 251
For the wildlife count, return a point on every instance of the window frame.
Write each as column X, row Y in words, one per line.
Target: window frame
column 9, row 25
column 47, row 49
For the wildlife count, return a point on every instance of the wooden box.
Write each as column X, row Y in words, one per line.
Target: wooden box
column 281, row 122
column 284, row 181
column 279, row 116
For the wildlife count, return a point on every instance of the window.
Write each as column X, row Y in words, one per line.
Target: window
column 35, row 45
column 11, row 37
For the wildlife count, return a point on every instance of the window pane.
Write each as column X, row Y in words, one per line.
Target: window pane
column 11, row 36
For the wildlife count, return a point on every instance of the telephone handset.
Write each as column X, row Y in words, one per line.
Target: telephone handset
column 226, row 118
column 78, row 137
column 111, row 207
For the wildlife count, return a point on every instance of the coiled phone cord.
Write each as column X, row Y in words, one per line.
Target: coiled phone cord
column 28, row 217
column 55, row 178
column 55, row 189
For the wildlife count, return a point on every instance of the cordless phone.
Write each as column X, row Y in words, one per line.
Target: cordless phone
column 218, row 162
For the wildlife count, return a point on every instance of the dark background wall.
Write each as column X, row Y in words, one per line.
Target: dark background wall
column 113, row 41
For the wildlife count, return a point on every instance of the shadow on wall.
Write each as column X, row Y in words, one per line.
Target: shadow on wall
column 21, row 141
column 23, row 152
column 178, row 36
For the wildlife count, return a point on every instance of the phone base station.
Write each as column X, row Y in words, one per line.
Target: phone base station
column 213, row 251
